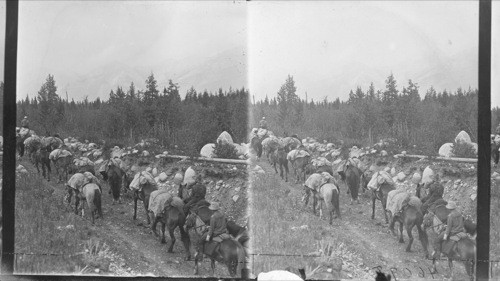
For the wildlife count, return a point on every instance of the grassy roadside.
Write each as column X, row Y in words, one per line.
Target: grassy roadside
column 49, row 237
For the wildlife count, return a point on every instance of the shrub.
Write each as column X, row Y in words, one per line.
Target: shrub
column 463, row 150
column 226, row 151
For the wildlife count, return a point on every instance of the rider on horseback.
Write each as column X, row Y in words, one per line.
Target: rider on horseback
column 436, row 191
column 263, row 123
column 25, row 123
column 217, row 227
column 454, row 226
column 199, row 191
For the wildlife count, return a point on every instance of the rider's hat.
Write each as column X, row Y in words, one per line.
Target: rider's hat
column 451, row 205
column 214, row 206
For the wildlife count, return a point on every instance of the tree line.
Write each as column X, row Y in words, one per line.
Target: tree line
column 418, row 124
column 131, row 114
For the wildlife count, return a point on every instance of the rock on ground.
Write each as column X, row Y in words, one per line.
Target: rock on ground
column 463, row 137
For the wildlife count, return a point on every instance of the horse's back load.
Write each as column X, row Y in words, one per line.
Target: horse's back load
column 378, row 179
column 141, row 179
column 158, row 201
column 59, row 153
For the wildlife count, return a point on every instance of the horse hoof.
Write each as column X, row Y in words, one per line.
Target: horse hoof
column 408, row 250
column 163, row 242
column 401, row 241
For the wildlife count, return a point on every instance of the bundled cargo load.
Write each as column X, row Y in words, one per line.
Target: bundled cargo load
column 158, row 201
column 225, row 138
column 77, row 181
column 291, row 142
column 395, row 199
column 51, row 141
column 82, row 161
column 316, row 180
column 296, row 153
column 208, row 150
column 189, row 177
column 320, row 162
column 378, row 179
column 59, row 153
column 140, row 179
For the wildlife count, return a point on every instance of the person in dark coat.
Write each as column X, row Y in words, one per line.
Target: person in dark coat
column 199, row 191
column 436, row 191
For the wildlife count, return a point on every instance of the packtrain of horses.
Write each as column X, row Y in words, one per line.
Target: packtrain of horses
column 232, row 250
column 323, row 183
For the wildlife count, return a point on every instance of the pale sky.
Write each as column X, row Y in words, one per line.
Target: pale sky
column 329, row 47
column 77, row 40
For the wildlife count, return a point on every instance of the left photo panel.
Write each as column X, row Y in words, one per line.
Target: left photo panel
column 131, row 139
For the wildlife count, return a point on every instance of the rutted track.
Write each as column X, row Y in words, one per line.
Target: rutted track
column 370, row 239
column 136, row 251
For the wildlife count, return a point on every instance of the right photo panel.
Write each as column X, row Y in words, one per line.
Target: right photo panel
column 495, row 143
column 363, row 135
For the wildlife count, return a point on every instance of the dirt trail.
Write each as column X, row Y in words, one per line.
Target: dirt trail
column 136, row 251
column 371, row 239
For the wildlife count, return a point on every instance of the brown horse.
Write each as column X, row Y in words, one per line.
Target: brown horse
column 410, row 217
column 41, row 157
column 62, row 164
column 115, row 178
column 440, row 211
column 381, row 195
column 351, row 175
column 172, row 217
column 299, row 166
column 279, row 157
column 256, row 144
column 229, row 252
column 143, row 194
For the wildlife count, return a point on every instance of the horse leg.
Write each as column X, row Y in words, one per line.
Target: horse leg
column 385, row 212
column 306, row 196
column 286, row 170
column 422, row 236
column 135, row 207
column 450, row 265
column 172, row 238
column 401, row 226
column 153, row 227
column 373, row 206
column 146, row 203
column 212, row 264
column 315, row 201
column 163, row 241
column 49, row 171
column 185, row 240
column 391, row 227
column 77, row 201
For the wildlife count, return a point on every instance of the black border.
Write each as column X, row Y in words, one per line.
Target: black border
column 484, row 145
column 9, row 133
column 8, row 191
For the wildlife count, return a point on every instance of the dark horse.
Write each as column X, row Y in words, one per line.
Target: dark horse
column 279, row 157
column 172, row 217
column 410, row 217
column 41, row 157
column 352, row 175
column 115, row 177
column 256, row 144
column 495, row 154
column 143, row 194
column 381, row 195
column 229, row 252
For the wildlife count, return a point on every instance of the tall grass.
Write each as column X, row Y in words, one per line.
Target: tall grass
column 495, row 230
column 276, row 222
column 49, row 237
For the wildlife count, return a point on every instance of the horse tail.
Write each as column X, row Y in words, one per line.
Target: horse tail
column 114, row 182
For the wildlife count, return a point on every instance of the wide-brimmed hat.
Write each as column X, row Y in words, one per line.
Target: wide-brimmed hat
column 162, row 177
column 451, row 205
column 214, row 206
